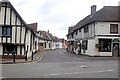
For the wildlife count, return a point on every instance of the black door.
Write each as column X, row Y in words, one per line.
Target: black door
column 116, row 49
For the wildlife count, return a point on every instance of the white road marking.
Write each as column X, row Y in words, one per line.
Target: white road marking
column 80, row 72
column 78, row 59
column 3, row 77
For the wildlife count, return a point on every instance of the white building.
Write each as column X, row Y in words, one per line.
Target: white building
column 15, row 34
column 100, row 29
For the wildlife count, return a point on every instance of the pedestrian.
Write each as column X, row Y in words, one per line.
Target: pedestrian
column 77, row 50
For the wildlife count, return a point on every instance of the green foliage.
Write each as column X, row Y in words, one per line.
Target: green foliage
column 97, row 45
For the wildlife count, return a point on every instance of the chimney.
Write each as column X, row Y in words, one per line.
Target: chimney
column 93, row 9
column 48, row 31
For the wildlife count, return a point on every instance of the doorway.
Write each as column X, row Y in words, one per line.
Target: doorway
column 116, row 49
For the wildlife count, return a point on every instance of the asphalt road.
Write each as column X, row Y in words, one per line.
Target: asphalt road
column 61, row 64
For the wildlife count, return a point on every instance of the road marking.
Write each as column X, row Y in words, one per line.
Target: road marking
column 3, row 77
column 54, row 74
column 41, row 57
column 80, row 72
column 78, row 59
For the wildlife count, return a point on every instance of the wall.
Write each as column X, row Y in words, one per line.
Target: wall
column 103, row 28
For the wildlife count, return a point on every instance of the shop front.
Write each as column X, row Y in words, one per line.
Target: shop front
column 109, row 47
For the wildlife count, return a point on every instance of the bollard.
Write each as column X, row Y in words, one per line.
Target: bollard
column 13, row 56
column 32, row 55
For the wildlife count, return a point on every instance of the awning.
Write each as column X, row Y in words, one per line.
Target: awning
column 116, row 40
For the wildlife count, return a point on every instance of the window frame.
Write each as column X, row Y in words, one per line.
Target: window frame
column 85, row 44
column 113, row 27
column 105, row 45
column 5, row 31
column 86, row 29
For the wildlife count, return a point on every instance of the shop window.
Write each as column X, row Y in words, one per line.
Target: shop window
column 105, row 45
column 114, row 28
column 9, row 48
column 84, row 44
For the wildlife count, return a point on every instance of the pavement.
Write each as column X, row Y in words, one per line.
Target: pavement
column 36, row 57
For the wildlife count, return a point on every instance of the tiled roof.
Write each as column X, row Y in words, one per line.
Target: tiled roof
column 51, row 36
column 33, row 26
column 44, row 35
column 106, row 14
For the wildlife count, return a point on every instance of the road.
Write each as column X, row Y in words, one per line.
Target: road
column 62, row 64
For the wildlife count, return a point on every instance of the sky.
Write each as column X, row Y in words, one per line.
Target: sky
column 57, row 15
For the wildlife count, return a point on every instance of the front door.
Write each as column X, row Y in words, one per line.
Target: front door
column 116, row 49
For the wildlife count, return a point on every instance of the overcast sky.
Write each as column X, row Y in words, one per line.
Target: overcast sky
column 57, row 15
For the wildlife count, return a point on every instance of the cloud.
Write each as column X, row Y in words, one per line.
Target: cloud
column 57, row 15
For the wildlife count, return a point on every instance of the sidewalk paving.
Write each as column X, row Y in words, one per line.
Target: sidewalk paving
column 36, row 57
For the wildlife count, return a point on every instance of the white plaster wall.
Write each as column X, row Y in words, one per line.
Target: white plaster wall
column 22, row 50
column 13, row 34
column 2, row 15
column 1, row 49
column 23, row 35
column 103, row 28
column 8, row 17
column 18, row 21
column 18, row 35
column 0, row 39
column 18, row 50
column 13, row 18
column 91, row 48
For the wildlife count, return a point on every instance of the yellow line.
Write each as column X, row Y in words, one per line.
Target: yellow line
column 41, row 57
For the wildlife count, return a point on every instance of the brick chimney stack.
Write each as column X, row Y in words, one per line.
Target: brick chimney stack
column 93, row 9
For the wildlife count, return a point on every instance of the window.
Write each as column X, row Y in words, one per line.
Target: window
column 86, row 29
column 49, row 45
column 76, row 32
column 105, row 45
column 84, row 44
column 41, row 44
column 114, row 28
column 45, row 44
column 6, row 31
column 79, row 30
column 9, row 48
